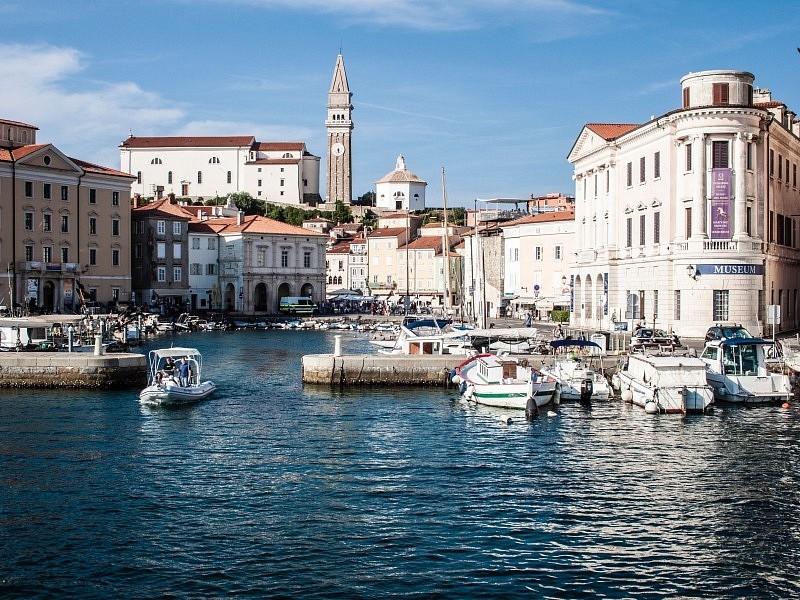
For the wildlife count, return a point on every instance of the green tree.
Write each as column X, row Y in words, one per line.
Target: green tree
column 342, row 213
column 370, row 219
column 247, row 204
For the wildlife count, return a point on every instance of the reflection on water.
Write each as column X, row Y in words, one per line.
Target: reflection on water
column 276, row 489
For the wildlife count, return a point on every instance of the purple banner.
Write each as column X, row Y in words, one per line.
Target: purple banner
column 720, row 204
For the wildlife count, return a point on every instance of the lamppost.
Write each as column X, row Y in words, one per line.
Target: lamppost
column 408, row 226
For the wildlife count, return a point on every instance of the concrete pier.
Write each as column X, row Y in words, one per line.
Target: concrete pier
column 72, row 370
column 379, row 369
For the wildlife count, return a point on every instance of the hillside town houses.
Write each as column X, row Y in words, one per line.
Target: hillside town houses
column 685, row 220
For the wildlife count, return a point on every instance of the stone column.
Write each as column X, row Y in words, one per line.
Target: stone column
column 699, row 188
column 740, row 193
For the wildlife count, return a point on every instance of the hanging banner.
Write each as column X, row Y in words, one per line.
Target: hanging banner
column 720, row 204
column 33, row 290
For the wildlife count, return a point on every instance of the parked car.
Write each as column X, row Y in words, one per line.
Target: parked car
column 650, row 338
column 726, row 331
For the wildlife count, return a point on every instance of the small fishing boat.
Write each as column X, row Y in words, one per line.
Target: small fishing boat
column 166, row 386
column 504, row 382
column 664, row 383
column 578, row 366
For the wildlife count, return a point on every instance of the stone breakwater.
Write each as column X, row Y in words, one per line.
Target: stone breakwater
column 383, row 369
column 76, row 370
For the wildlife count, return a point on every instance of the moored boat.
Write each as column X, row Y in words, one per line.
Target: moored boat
column 504, row 382
column 738, row 371
column 166, row 386
column 664, row 383
column 577, row 366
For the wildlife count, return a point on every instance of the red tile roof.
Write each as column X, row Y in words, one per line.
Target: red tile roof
column 259, row 224
column 387, row 232
column 611, row 131
column 7, row 122
column 278, row 146
column 161, row 207
column 547, row 217
column 189, row 142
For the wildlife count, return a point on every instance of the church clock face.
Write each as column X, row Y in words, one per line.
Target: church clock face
column 337, row 149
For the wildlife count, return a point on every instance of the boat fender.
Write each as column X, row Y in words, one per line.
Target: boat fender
column 456, row 379
column 552, row 413
column 523, row 362
column 627, row 396
column 650, row 407
column 531, row 410
column 505, row 419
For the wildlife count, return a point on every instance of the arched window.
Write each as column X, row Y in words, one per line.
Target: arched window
column 229, row 176
column 287, row 155
column 169, row 177
column 155, row 161
column 213, row 160
column 199, row 177
column 138, row 177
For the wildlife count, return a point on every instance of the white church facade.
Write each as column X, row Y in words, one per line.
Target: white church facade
column 400, row 189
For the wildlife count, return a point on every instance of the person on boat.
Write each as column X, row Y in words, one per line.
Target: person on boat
column 169, row 367
column 184, row 371
column 558, row 333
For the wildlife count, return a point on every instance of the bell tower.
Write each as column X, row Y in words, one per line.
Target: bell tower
column 339, row 124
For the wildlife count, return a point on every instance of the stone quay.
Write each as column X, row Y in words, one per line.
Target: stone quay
column 76, row 370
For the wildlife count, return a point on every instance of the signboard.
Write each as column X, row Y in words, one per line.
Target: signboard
column 729, row 269
column 774, row 314
column 720, row 204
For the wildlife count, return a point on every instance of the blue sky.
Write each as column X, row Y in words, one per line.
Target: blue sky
column 493, row 91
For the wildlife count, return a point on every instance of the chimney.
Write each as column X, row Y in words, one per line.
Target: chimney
column 240, row 217
column 171, row 197
column 137, row 200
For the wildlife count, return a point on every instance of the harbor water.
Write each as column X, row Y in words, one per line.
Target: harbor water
column 275, row 489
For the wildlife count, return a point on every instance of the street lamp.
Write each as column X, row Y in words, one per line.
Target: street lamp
column 408, row 297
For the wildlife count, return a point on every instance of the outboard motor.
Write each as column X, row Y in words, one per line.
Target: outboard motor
column 587, row 389
column 531, row 410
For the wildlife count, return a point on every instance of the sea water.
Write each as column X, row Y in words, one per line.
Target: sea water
column 275, row 489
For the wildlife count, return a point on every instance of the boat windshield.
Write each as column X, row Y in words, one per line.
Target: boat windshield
column 741, row 359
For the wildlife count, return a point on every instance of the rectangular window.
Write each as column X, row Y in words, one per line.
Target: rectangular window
column 307, row 259
column 115, row 294
column 114, row 198
column 195, row 269
column 212, row 243
column 92, row 196
column 787, row 171
column 748, row 222
column 642, row 229
column 28, row 221
column 114, row 226
column 688, row 157
column 65, row 255
column 29, row 253
column 177, row 274
column 161, row 274
column 64, row 224
column 176, row 228
column 749, row 156
column 282, row 182
column 686, row 97
column 29, row 189
column 199, row 177
column 677, row 305
column 719, row 155
column 114, row 257
column 177, row 250
column 211, row 269
column 772, row 163
column 64, row 193
column 92, row 256
column 537, row 252
column 720, row 305
column 47, row 222
column 657, row 227
column 92, row 226
column 558, row 252
column 137, row 251
column 46, row 191
column 161, row 250
column 229, row 176
column 720, row 92
column 629, row 233
column 629, row 181
column 259, row 183
column 284, row 258
column 642, row 170
column 47, row 253
column 688, row 216
column 261, row 257
column 657, row 165
column 655, row 304
column 161, row 227
column 780, row 167
column 195, row 243
column 794, row 175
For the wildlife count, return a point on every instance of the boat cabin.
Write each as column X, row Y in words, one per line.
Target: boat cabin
column 493, row 369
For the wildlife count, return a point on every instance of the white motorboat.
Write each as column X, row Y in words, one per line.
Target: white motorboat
column 738, row 371
column 504, row 382
column 166, row 387
column 577, row 365
column 428, row 336
column 664, row 383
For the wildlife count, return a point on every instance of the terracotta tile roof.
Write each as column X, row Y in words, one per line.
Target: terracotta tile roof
column 259, row 224
column 93, row 168
column 189, row 142
column 430, row 243
column 278, row 146
column 547, row 217
column 387, row 232
column 202, row 227
column 161, row 207
column 8, row 122
column 7, row 155
column 770, row 104
column 23, row 151
column 611, row 131
column 340, row 248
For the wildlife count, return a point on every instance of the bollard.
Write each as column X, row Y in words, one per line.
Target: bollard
column 98, row 345
column 70, row 333
column 337, row 345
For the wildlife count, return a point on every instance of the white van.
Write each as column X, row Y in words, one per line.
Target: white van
column 297, row 305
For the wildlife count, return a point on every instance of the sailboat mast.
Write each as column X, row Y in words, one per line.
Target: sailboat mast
column 446, row 249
